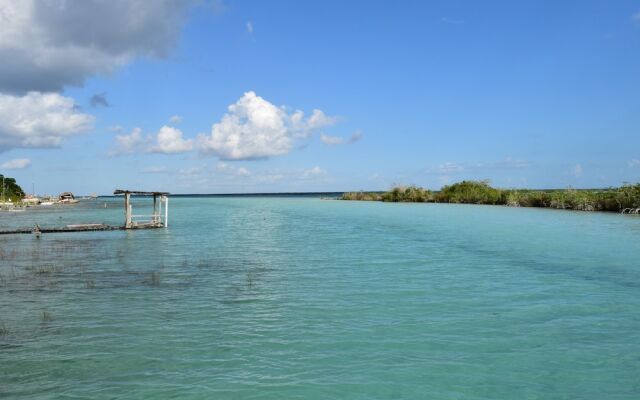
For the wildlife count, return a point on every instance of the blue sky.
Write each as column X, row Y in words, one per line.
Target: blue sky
column 535, row 94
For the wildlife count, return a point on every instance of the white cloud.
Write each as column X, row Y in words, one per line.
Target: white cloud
column 169, row 140
column 636, row 17
column 39, row 120
column 249, row 27
column 254, row 128
column 231, row 170
column 633, row 163
column 313, row 172
column 131, row 143
column 17, row 163
column 175, row 119
column 317, row 120
column 576, row 170
column 336, row 140
column 332, row 140
column 46, row 45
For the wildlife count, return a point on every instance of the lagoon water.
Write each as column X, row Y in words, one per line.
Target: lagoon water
column 303, row 298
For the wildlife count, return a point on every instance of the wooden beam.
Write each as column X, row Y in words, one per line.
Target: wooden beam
column 127, row 210
column 155, row 209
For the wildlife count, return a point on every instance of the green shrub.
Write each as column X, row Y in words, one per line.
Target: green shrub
column 628, row 196
column 479, row 192
column 361, row 196
column 411, row 194
column 472, row 192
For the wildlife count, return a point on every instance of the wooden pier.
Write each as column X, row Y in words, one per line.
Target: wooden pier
column 157, row 218
column 69, row 228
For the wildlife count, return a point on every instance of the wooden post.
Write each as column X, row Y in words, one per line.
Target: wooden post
column 160, row 211
column 127, row 210
column 166, row 211
column 154, row 218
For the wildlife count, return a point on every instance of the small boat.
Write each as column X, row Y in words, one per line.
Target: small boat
column 67, row 198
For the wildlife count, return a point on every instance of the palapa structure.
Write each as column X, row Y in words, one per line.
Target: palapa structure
column 155, row 220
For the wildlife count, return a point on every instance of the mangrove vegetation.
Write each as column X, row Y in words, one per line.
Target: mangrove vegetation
column 624, row 199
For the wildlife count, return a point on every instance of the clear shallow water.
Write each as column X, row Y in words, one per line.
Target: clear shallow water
column 274, row 298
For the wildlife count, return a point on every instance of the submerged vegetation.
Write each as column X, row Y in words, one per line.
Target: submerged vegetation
column 621, row 199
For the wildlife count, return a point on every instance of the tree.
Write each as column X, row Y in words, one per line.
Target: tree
column 10, row 190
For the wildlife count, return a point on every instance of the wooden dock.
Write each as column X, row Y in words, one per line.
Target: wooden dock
column 69, row 228
column 156, row 218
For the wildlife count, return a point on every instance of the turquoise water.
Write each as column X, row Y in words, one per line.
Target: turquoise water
column 285, row 298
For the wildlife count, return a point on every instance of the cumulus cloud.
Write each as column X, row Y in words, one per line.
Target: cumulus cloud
column 175, row 119
column 249, row 27
column 636, row 17
column 169, row 140
column 633, row 163
column 131, row 143
column 253, row 128
column 17, row 163
column 336, row 140
column 39, row 120
column 46, row 45
column 99, row 99
column 317, row 120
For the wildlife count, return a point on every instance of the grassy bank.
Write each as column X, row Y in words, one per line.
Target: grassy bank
column 625, row 198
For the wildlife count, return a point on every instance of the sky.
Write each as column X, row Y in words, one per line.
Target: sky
column 233, row 96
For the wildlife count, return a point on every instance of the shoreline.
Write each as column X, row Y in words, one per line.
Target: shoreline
column 624, row 199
